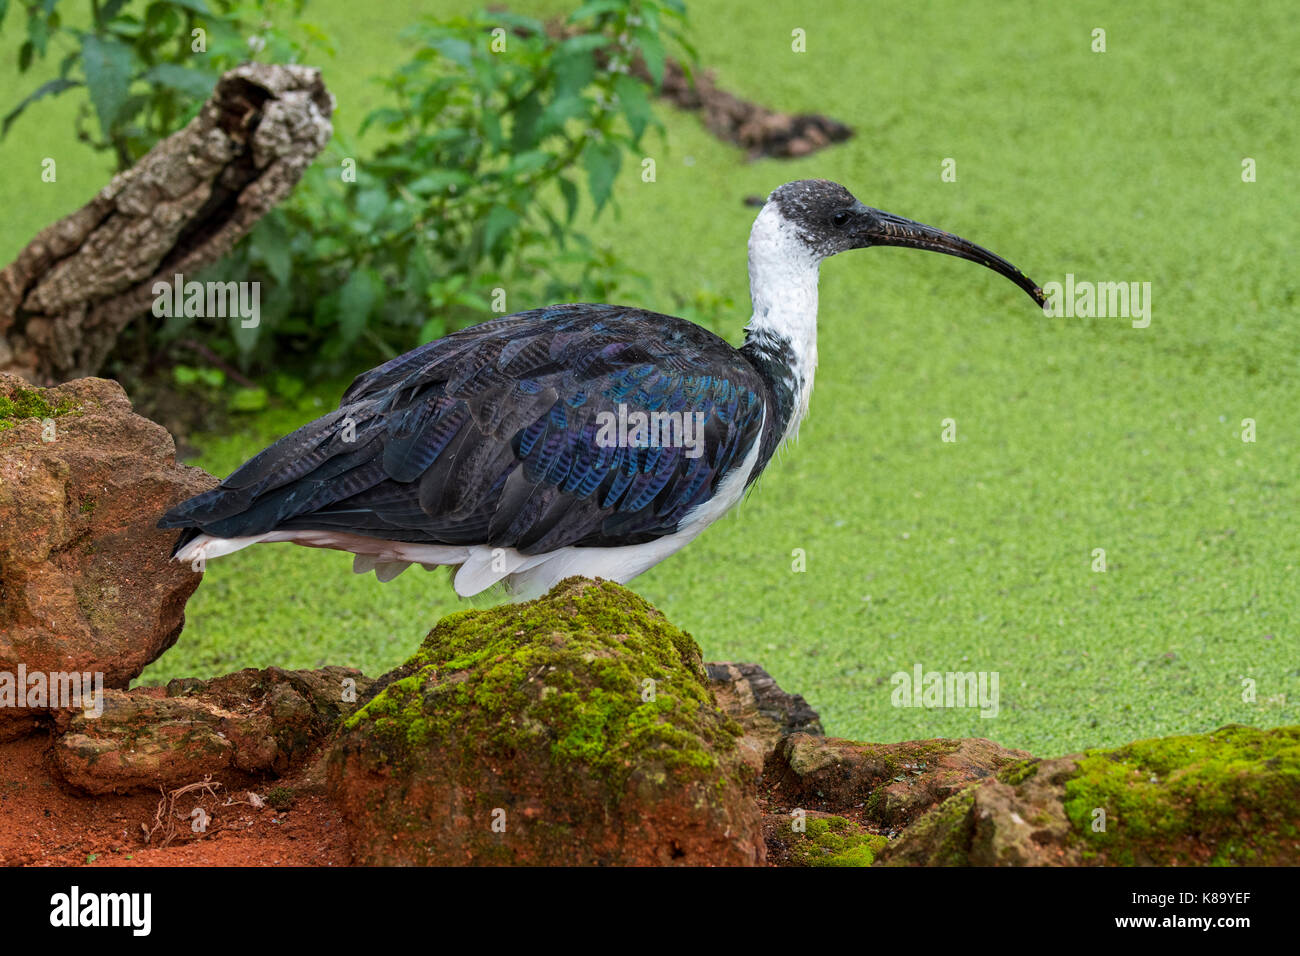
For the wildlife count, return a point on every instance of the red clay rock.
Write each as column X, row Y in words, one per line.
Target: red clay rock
column 750, row 696
column 253, row 722
column 86, row 580
column 891, row 784
column 996, row 823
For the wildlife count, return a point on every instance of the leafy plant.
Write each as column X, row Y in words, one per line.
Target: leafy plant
column 494, row 136
column 144, row 69
column 498, row 137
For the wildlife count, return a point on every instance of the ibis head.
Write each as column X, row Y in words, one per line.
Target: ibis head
column 826, row 219
column 802, row 223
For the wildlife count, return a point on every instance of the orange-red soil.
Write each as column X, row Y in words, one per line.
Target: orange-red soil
column 43, row 825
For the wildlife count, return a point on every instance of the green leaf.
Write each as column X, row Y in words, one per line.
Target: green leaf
column 108, row 74
column 570, row 191
column 557, row 229
column 458, row 51
column 499, row 221
column 583, row 43
column 492, row 129
column 601, row 161
column 270, row 240
column 194, row 83
column 398, row 216
column 529, row 162
column 636, row 104
column 38, row 32
column 357, row 300
column 518, row 20
column 558, row 113
column 371, row 204
column 212, row 377
column 288, row 387
column 128, row 28
column 526, row 113
column 573, row 71
column 196, row 6
column 65, row 65
column 387, row 116
column 248, row 400
column 245, row 337
column 595, row 8
column 472, row 300
column 691, row 52
column 434, row 328
column 652, row 50
column 133, row 105
column 52, row 88
column 650, row 16
column 440, row 180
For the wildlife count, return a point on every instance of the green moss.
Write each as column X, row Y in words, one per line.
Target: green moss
column 24, row 403
column 280, row 798
column 1019, row 772
column 1230, row 797
column 832, row 841
column 590, row 672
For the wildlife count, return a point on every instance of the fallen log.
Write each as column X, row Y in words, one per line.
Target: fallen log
column 183, row 206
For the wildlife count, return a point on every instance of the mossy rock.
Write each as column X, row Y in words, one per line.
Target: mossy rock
column 577, row 728
column 1230, row 798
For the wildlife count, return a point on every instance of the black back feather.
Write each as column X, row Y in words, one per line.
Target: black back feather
column 489, row 436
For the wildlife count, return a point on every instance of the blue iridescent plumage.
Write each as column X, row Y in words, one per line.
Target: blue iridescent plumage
column 491, row 436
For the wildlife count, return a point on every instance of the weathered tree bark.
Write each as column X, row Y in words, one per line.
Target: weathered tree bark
column 183, row 206
column 758, row 130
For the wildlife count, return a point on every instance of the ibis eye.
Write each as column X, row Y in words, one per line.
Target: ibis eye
column 840, row 218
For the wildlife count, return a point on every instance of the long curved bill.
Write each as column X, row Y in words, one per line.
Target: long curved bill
column 886, row 229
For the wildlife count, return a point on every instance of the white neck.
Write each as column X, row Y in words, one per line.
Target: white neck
column 783, row 286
